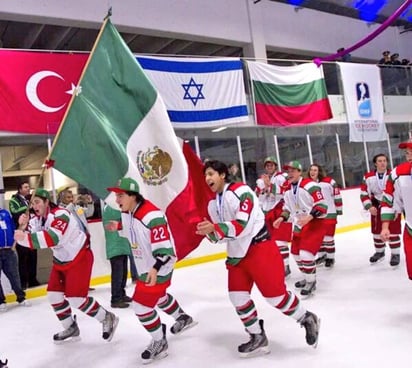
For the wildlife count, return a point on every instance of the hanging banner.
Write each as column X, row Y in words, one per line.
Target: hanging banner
column 362, row 89
column 199, row 92
column 35, row 88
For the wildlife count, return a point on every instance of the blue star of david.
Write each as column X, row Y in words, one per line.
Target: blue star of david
column 193, row 86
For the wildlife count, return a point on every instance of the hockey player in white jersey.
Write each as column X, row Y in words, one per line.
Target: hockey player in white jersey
column 238, row 221
column 56, row 228
column 397, row 198
column 331, row 194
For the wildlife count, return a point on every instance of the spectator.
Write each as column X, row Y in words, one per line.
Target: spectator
column 386, row 59
column 117, row 252
column 407, row 78
column 8, row 260
column 234, row 173
column 347, row 58
column 18, row 205
column 82, row 208
column 386, row 72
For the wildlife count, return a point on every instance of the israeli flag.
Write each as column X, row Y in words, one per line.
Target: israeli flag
column 198, row 91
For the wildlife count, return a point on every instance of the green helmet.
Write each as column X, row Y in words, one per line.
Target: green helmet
column 270, row 159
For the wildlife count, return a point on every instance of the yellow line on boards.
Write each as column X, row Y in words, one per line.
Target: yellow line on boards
column 100, row 280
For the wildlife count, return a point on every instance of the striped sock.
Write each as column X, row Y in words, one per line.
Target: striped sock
column 248, row 316
column 63, row 313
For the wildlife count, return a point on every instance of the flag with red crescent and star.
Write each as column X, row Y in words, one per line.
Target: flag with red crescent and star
column 35, row 89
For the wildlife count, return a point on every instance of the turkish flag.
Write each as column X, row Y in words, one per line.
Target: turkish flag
column 35, row 89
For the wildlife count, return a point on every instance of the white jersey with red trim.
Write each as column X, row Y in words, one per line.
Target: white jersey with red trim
column 60, row 231
column 332, row 196
column 372, row 186
column 270, row 197
column 150, row 238
column 301, row 198
column 237, row 218
column 397, row 196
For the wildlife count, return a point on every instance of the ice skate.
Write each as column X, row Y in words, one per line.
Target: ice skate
column 330, row 262
column 377, row 257
column 308, row 289
column 257, row 344
column 156, row 350
column 300, row 284
column 3, row 364
column 321, row 260
column 109, row 323
column 183, row 322
column 395, row 259
column 24, row 303
column 3, row 307
column 287, row 272
column 69, row 334
column 311, row 323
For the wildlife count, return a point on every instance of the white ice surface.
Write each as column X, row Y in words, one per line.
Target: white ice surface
column 366, row 314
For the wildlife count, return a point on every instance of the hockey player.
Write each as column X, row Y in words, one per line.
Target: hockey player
column 331, row 193
column 238, row 221
column 305, row 204
column 153, row 249
column 372, row 187
column 56, row 228
column 269, row 189
column 397, row 197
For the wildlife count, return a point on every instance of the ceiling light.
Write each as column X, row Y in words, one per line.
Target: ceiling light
column 217, row 130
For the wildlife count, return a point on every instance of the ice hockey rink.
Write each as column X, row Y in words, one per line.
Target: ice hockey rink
column 365, row 311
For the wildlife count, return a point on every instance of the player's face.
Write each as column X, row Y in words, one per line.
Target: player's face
column 381, row 164
column 126, row 203
column 408, row 154
column 293, row 175
column 215, row 180
column 270, row 168
column 39, row 206
column 314, row 173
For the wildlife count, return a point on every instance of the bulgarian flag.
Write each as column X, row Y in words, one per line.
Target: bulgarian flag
column 117, row 125
column 289, row 95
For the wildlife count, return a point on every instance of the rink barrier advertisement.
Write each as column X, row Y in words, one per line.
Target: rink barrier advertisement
column 353, row 218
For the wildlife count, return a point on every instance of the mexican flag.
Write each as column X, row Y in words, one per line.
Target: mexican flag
column 116, row 126
column 289, row 95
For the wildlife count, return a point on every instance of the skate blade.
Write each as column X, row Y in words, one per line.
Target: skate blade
column 67, row 341
column 162, row 355
column 261, row 351
column 304, row 297
column 116, row 322
column 378, row 261
column 188, row 327
column 312, row 293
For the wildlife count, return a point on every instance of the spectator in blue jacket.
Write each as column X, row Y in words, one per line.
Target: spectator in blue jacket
column 8, row 260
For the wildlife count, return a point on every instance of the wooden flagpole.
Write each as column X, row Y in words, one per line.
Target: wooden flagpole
column 47, row 161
